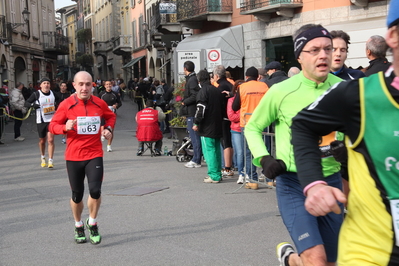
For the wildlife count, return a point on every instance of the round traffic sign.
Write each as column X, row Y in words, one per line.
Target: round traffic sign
column 213, row 55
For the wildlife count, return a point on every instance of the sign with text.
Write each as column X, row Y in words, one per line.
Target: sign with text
column 167, row 8
column 213, row 58
column 183, row 56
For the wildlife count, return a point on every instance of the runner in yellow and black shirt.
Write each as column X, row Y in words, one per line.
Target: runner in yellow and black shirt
column 367, row 111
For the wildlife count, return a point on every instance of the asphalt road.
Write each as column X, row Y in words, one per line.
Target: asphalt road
column 186, row 222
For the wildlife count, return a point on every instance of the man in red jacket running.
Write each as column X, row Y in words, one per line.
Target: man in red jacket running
column 80, row 116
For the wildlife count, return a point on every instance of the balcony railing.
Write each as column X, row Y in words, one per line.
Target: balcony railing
column 123, row 44
column 103, row 47
column 163, row 19
column 267, row 6
column 158, row 20
column 54, row 42
column 195, row 10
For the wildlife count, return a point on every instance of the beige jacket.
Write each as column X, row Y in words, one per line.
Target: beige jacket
column 17, row 100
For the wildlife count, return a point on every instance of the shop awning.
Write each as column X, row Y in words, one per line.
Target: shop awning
column 229, row 40
column 132, row 62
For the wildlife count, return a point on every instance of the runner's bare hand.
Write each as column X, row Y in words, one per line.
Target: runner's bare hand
column 70, row 124
column 107, row 134
column 322, row 199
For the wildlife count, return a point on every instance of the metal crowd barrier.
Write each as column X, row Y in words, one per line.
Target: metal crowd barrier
column 262, row 179
column 2, row 125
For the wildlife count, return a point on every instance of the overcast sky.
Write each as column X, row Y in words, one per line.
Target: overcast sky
column 61, row 3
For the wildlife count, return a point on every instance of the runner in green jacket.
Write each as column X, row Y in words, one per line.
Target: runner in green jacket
column 316, row 239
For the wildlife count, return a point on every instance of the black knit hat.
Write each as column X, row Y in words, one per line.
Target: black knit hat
column 273, row 65
column 44, row 79
column 252, row 72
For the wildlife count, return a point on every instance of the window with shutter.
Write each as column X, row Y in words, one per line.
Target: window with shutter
column 34, row 24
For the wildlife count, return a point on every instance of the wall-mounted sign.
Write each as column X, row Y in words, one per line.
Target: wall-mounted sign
column 213, row 58
column 167, row 8
column 183, row 56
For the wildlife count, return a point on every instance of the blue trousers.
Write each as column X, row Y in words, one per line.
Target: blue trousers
column 195, row 140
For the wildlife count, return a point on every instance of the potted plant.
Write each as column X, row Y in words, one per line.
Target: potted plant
column 179, row 123
column 178, row 94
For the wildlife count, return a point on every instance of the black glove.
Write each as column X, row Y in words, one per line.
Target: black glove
column 35, row 105
column 338, row 150
column 272, row 167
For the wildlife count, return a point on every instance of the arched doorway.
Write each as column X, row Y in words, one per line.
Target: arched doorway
column 20, row 71
column 157, row 74
column 151, row 68
column 142, row 71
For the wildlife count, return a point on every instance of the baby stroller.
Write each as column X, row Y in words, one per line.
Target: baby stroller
column 186, row 152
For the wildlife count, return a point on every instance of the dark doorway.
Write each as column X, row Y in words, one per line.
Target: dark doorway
column 282, row 50
column 36, row 71
column 236, row 73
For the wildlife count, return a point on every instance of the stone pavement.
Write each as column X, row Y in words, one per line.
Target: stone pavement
column 186, row 223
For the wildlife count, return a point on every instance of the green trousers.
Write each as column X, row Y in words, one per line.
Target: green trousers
column 213, row 157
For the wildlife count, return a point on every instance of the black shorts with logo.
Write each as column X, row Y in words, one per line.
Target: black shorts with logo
column 42, row 129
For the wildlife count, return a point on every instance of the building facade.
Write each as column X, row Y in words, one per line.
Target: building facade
column 269, row 38
column 267, row 28
column 29, row 41
column 138, row 38
column 137, row 66
column 66, row 63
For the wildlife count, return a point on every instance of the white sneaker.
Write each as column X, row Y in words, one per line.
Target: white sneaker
column 240, row 179
column 19, row 139
column 192, row 164
column 63, row 141
column 50, row 163
column 227, row 173
column 109, row 148
column 43, row 162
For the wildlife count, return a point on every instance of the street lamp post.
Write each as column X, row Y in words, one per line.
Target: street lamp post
column 25, row 16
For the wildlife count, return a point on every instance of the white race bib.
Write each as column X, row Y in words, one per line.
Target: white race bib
column 395, row 217
column 88, row 125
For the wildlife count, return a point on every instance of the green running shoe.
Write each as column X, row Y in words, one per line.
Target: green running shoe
column 80, row 236
column 95, row 237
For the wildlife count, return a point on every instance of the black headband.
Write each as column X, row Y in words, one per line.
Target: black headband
column 302, row 39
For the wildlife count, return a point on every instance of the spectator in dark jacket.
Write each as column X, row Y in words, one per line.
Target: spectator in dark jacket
column 341, row 40
column 219, row 75
column 208, row 122
column 263, row 76
column 4, row 99
column 141, row 93
column 26, row 93
column 167, row 96
column 189, row 104
column 376, row 49
column 275, row 73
